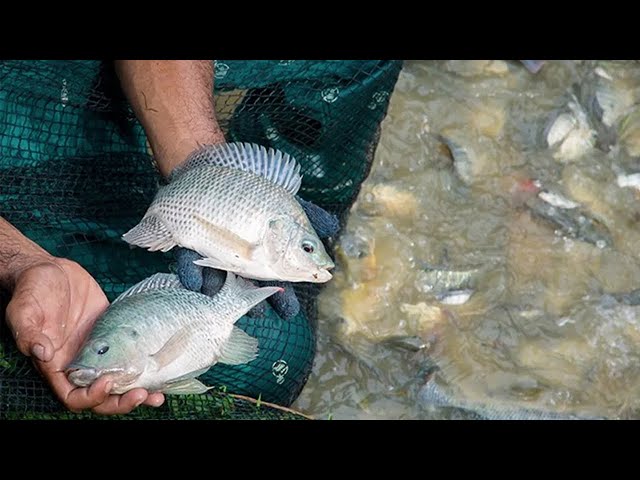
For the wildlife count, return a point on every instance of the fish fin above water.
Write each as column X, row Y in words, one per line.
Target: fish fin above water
column 173, row 348
column 245, row 293
column 158, row 281
column 151, row 233
column 189, row 386
column 226, row 240
column 241, row 348
column 274, row 165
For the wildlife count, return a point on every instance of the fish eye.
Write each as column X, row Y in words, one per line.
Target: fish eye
column 103, row 350
column 308, row 247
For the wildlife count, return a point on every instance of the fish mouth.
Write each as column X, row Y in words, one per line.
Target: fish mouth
column 82, row 375
column 322, row 276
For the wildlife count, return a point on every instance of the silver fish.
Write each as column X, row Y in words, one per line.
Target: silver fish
column 439, row 280
column 433, row 395
column 235, row 205
column 160, row 336
column 569, row 133
column 572, row 222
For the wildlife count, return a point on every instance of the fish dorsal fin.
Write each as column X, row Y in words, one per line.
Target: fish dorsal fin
column 158, row 281
column 274, row 165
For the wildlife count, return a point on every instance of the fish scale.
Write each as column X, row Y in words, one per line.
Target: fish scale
column 240, row 212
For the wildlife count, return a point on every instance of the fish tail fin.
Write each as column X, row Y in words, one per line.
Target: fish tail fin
column 246, row 294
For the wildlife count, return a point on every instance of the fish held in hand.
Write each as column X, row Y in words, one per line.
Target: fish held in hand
column 160, row 336
column 235, row 205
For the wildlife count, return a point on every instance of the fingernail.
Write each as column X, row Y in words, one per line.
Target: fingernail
column 38, row 351
column 107, row 387
column 138, row 403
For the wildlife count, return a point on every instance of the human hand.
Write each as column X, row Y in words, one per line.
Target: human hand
column 210, row 280
column 54, row 305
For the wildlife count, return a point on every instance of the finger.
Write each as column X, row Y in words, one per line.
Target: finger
column 189, row 273
column 154, row 400
column 212, row 281
column 25, row 321
column 285, row 303
column 325, row 224
column 122, row 404
column 81, row 398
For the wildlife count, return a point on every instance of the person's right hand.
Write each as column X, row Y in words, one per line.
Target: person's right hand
column 54, row 305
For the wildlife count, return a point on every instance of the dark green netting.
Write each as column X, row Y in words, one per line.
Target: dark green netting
column 76, row 173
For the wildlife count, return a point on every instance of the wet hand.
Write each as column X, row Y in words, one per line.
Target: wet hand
column 54, row 305
column 210, row 280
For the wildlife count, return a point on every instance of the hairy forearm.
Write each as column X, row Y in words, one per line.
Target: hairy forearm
column 173, row 101
column 17, row 252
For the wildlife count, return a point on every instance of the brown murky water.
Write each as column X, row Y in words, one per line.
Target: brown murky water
column 494, row 249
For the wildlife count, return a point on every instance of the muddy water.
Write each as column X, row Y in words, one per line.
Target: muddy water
column 493, row 251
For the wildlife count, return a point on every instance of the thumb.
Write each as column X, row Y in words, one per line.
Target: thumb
column 285, row 303
column 325, row 224
column 189, row 273
column 25, row 320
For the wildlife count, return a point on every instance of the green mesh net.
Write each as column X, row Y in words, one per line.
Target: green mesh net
column 76, row 173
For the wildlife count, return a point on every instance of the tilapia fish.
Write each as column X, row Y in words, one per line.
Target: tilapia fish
column 160, row 336
column 569, row 218
column 235, row 205
column 432, row 395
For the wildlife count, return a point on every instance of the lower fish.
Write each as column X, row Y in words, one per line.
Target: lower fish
column 160, row 336
column 433, row 395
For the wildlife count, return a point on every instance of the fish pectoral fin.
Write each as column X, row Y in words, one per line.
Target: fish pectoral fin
column 187, row 386
column 174, row 347
column 241, row 348
column 151, row 233
column 215, row 263
column 228, row 242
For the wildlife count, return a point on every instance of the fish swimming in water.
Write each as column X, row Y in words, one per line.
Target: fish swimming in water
column 569, row 218
column 450, row 287
column 235, row 205
column 158, row 335
column 433, row 395
column 569, row 134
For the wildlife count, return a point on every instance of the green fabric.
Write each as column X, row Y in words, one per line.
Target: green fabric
column 75, row 174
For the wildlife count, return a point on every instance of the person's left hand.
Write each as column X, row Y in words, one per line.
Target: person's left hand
column 210, row 280
column 53, row 308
